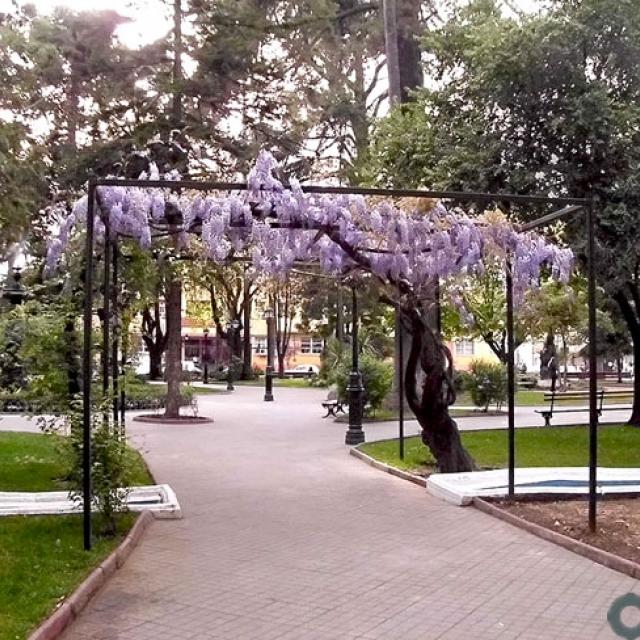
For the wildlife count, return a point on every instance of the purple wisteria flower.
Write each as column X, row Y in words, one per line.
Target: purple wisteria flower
column 278, row 227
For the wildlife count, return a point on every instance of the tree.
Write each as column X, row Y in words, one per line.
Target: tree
column 22, row 188
column 284, row 298
column 231, row 291
column 613, row 339
column 558, row 309
column 392, row 246
column 477, row 308
column 68, row 70
column 545, row 103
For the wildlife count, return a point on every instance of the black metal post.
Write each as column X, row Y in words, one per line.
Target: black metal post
column 593, row 374
column 511, row 387
column 205, row 358
column 106, row 320
column 116, row 333
column 268, row 379
column 355, row 434
column 87, row 369
column 400, row 343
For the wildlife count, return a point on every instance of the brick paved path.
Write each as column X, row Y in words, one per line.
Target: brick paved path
column 287, row 537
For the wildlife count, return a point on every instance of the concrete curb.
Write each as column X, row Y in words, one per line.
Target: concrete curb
column 405, row 475
column 71, row 607
column 600, row 556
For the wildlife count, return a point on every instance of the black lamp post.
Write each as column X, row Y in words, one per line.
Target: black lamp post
column 232, row 327
column 268, row 378
column 205, row 357
column 15, row 293
column 355, row 434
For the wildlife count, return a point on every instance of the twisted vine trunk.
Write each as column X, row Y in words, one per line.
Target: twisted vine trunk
column 430, row 392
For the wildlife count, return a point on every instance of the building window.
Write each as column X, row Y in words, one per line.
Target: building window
column 464, row 347
column 261, row 347
column 311, row 345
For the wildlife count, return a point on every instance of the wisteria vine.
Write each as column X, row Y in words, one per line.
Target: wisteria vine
column 277, row 226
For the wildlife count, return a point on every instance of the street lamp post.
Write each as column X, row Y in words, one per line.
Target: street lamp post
column 232, row 327
column 205, row 357
column 355, row 434
column 268, row 379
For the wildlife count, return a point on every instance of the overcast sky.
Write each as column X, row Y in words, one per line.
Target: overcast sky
column 151, row 18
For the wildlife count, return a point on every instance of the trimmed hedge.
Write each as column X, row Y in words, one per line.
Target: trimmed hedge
column 137, row 398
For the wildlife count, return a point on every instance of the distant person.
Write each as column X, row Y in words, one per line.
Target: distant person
column 553, row 372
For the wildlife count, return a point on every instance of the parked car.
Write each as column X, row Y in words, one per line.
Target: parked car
column 302, row 371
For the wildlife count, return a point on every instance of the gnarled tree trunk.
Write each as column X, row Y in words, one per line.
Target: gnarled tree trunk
column 154, row 338
column 430, row 392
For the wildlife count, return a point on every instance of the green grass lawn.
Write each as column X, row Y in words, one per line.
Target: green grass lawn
column 524, row 398
column 535, row 398
column 42, row 557
column 619, row 446
column 32, row 462
column 41, row 561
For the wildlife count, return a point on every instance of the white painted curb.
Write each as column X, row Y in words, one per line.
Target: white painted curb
column 160, row 499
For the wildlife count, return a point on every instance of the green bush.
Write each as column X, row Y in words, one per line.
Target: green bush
column 377, row 379
column 111, row 463
column 487, row 383
column 461, row 381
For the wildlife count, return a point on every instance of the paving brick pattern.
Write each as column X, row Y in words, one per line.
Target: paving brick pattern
column 286, row 537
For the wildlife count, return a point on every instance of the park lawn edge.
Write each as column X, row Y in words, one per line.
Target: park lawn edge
column 563, row 446
column 42, row 555
column 69, row 608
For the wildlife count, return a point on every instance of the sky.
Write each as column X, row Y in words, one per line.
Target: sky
column 151, row 18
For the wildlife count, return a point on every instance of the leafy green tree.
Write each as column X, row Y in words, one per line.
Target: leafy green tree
column 476, row 308
column 545, row 103
column 559, row 310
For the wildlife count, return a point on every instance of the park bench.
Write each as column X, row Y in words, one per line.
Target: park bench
column 553, row 396
column 332, row 405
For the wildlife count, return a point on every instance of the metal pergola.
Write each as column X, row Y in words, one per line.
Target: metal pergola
column 110, row 368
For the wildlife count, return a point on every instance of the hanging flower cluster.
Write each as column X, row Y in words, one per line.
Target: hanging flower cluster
column 278, row 226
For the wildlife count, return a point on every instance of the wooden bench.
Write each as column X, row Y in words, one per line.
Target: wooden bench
column 332, row 405
column 554, row 396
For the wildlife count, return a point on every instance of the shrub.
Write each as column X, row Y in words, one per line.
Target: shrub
column 111, row 466
column 461, row 381
column 335, row 352
column 487, row 383
column 377, row 379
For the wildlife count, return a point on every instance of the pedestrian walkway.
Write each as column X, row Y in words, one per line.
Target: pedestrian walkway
column 287, row 537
